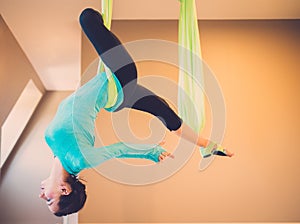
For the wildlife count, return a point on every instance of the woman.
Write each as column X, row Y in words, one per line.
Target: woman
column 70, row 135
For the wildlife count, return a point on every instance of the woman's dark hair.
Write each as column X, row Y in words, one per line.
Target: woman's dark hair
column 73, row 202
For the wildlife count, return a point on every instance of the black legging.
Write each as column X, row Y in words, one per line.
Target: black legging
column 117, row 59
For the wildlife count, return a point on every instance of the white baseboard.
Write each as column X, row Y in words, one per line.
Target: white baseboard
column 71, row 219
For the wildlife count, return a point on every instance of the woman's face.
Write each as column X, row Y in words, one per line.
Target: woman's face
column 51, row 191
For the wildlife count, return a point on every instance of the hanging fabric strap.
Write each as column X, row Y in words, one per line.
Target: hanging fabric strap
column 112, row 88
column 190, row 94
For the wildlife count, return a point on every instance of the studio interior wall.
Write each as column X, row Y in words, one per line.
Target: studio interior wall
column 257, row 66
column 29, row 164
column 15, row 71
column 30, row 161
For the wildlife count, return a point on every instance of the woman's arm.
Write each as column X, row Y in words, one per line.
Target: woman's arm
column 96, row 156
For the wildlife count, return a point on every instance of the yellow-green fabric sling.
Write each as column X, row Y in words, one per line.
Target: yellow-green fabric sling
column 112, row 88
column 190, row 94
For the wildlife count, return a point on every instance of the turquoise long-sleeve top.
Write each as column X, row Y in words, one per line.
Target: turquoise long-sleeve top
column 71, row 137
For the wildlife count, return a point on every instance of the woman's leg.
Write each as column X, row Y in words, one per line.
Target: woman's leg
column 145, row 100
column 207, row 147
column 111, row 51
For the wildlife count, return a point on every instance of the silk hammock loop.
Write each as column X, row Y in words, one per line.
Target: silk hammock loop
column 106, row 12
column 190, row 83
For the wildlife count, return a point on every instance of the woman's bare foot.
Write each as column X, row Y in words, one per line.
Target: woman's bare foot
column 228, row 153
column 214, row 149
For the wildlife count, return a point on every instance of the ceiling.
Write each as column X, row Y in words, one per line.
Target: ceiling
column 49, row 33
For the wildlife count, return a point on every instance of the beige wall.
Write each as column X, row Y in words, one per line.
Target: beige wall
column 29, row 163
column 257, row 66
column 15, row 71
column 27, row 166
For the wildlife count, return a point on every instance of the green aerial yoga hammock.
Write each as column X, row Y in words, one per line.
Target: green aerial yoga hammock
column 112, row 88
column 190, row 94
column 191, row 77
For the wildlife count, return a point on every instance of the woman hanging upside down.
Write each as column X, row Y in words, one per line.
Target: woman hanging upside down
column 70, row 135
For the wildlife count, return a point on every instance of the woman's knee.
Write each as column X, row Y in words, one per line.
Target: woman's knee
column 90, row 15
